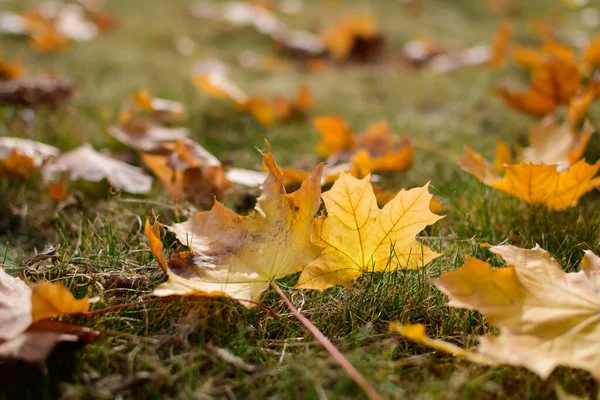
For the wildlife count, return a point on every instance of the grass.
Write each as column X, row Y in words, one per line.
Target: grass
column 217, row 349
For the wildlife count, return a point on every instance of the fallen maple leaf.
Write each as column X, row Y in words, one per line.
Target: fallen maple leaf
column 211, row 77
column 189, row 171
column 336, row 135
column 536, row 183
column 156, row 109
column 145, row 136
column 553, row 82
column 360, row 237
column 546, row 317
column 241, row 256
column 25, row 332
column 24, row 157
column 373, row 151
column 354, row 36
column 87, row 164
column 35, row 91
column 554, row 143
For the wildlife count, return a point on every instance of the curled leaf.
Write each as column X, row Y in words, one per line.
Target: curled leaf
column 189, row 171
column 87, row 164
column 241, row 256
column 24, row 157
column 546, row 317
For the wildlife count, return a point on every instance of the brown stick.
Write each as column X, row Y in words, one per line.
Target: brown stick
column 168, row 298
column 330, row 347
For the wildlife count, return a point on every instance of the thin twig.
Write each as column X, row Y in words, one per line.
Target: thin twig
column 330, row 347
column 167, row 298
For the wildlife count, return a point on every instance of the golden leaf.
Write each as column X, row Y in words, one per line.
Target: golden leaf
column 340, row 39
column 335, row 135
column 50, row 299
column 416, row 333
column 360, row 237
column 241, row 256
column 546, row 317
column 536, row 183
column 543, row 184
column 553, row 82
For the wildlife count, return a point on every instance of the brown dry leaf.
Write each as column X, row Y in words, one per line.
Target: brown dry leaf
column 36, row 91
column 358, row 236
column 157, row 109
column 24, row 157
column 87, row 164
column 546, row 317
column 241, row 256
column 24, row 332
column 146, row 136
column 189, row 172
column 354, row 36
column 554, row 143
column 553, row 82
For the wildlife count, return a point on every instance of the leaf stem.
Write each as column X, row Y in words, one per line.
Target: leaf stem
column 330, row 347
column 167, row 298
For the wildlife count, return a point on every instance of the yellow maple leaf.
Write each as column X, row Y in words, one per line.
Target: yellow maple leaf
column 51, row 299
column 335, row 135
column 546, row 317
column 241, row 256
column 360, row 237
column 543, row 184
column 535, row 183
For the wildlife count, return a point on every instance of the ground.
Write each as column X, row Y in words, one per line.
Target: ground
column 172, row 350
